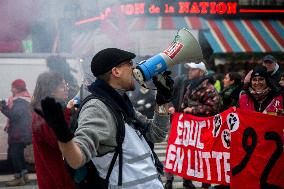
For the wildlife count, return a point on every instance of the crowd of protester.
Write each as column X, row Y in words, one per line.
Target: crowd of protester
column 261, row 90
column 198, row 92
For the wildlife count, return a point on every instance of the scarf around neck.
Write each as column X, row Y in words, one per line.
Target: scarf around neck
column 25, row 95
column 120, row 103
column 260, row 96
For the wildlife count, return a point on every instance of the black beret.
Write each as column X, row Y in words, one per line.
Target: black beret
column 108, row 58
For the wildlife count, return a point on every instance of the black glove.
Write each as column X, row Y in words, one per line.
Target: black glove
column 2, row 104
column 53, row 114
column 165, row 85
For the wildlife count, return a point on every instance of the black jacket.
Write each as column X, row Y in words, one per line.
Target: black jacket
column 180, row 84
column 230, row 96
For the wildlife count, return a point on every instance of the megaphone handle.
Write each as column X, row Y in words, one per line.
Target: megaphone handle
column 162, row 80
column 144, row 85
column 138, row 76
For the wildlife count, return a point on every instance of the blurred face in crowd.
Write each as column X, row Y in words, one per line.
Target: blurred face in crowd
column 270, row 66
column 227, row 81
column 281, row 82
column 258, row 83
column 124, row 76
column 14, row 91
column 61, row 91
column 188, row 73
column 195, row 73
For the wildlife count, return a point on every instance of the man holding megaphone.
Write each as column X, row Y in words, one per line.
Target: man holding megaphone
column 110, row 131
column 111, row 134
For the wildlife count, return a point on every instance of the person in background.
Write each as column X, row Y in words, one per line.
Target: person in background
column 281, row 82
column 180, row 84
column 143, row 100
column 273, row 69
column 232, row 88
column 261, row 95
column 200, row 99
column 50, row 166
column 18, row 128
column 217, row 78
column 218, row 84
column 60, row 65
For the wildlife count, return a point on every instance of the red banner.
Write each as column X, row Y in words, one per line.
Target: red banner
column 200, row 149
column 257, row 157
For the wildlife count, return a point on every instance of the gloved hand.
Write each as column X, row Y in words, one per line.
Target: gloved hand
column 2, row 104
column 165, row 85
column 53, row 114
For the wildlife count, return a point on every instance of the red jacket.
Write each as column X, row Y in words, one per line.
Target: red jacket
column 246, row 102
column 50, row 169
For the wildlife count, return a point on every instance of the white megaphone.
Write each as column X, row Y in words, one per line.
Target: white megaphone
column 184, row 48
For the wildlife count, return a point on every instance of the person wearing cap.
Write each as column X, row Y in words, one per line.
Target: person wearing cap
column 18, row 127
column 261, row 94
column 95, row 139
column 200, row 99
column 273, row 69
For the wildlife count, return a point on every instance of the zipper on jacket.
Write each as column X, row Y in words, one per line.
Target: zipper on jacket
column 259, row 108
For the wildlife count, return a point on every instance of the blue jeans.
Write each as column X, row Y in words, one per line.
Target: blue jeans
column 17, row 158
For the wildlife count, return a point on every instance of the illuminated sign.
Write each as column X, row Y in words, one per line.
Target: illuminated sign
column 203, row 7
column 180, row 8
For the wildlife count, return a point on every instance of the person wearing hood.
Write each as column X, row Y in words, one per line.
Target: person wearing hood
column 273, row 69
column 261, row 94
column 200, row 99
column 18, row 127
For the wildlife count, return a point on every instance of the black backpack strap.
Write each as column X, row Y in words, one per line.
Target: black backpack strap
column 119, row 139
column 119, row 136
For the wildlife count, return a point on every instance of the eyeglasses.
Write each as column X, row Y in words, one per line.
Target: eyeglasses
column 129, row 62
